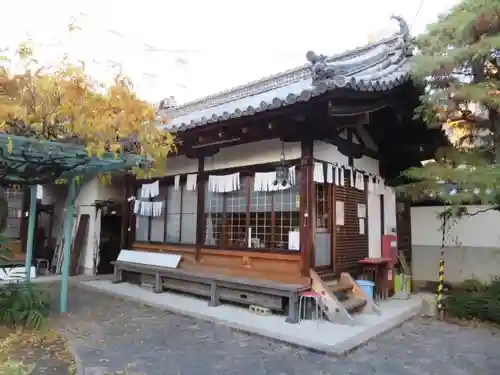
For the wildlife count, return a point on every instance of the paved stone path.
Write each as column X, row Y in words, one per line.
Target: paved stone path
column 110, row 335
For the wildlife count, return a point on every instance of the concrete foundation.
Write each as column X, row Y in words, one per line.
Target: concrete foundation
column 321, row 336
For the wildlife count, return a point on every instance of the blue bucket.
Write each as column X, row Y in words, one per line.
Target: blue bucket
column 367, row 286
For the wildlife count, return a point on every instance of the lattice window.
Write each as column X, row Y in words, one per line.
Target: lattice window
column 323, row 216
column 261, row 219
column 235, row 216
column 286, row 206
column 214, row 212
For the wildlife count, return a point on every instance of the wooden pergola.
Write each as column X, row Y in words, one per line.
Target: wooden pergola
column 30, row 161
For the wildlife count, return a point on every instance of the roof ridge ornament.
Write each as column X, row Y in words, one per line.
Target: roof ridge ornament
column 322, row 72
column 404, row 28
column 334, row 72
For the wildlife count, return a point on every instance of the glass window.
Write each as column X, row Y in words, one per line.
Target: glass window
column 177, row 223
column 141, row 224
column 14, row 198
column 263, row 221
column 214, row 211
column 158, row 222
column 173, row 216
column 286, row 205
column 188, row 215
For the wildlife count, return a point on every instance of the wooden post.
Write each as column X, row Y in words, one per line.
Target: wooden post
column 200, row 207
column 306, row 202
column 31, row 232
column 68, row 228
column 125, row 215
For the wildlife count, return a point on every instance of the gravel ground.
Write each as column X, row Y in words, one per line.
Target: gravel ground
column 110, row 335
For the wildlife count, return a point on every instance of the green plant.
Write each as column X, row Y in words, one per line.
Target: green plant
column 481, row 303
column 12, row 368
column 24, row 305
column 5, row 251
column 472, row 285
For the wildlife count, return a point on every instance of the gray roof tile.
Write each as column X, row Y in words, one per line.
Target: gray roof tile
column 378, row 66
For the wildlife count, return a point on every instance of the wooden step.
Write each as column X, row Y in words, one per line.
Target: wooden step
column 339, row 287
column 341, row 298
column 353, row 304
column 332, row 307
column 369, row 306
column 328, row 276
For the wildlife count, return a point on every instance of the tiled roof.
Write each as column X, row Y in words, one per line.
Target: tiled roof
column 378, row 66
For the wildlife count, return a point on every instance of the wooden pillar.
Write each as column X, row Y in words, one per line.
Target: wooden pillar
column 68, row 229
column 31, row 232
column 306, row 206
column 23, row 230
column 200, row 207
column 124, row 215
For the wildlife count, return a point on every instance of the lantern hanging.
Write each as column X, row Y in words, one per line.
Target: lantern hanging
column 282, row 171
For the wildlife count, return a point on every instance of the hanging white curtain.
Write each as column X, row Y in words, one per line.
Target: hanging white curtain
column 264, row 181
column 150, row 190
column 318, row 175
column 191, row 181
column 224, row 184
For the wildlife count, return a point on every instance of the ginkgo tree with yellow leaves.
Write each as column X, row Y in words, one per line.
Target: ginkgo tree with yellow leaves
column 63, row 103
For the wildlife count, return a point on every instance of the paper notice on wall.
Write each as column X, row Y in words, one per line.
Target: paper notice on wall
column 294, row 240
column 339, row 213
column 361, row 226
column 361, row 210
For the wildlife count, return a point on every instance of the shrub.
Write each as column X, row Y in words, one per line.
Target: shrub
column 24, row 305
column 474, row 302
column 12, row 368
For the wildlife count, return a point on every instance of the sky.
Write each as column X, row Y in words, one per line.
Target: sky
column 192, row 48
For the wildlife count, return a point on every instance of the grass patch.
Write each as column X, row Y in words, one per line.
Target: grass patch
column 474, row 301
column 23, row 350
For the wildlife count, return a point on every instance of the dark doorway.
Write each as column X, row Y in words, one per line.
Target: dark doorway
column 110, row 240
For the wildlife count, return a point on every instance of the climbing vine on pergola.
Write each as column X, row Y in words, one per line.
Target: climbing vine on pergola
column 58, row 124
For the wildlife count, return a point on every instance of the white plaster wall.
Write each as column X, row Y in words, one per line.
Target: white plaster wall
column 367, row 164
column 180, row 164
column 84, row 203
column 371, row 165
column 329, row 153
column 481, row 230
column 251, row 154
column 472, row 249
column 390, row 215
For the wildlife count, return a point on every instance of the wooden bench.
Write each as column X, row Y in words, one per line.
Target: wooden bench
column 213, row 285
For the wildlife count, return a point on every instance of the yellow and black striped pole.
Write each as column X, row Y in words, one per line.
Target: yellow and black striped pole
column 440, row 289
